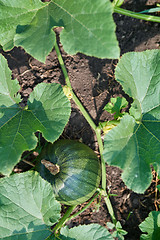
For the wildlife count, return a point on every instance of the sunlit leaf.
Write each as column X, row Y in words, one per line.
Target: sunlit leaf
column 48, row 112
column 27, row 207
column 89, row 232
column 88, row 27
column 151, row 226
column 135, row 143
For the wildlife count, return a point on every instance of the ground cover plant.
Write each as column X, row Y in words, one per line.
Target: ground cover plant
column 131, row 144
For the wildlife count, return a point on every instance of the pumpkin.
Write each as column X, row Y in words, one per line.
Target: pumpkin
column 72, row 168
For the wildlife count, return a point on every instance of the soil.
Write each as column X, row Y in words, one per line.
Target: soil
column 94, row 83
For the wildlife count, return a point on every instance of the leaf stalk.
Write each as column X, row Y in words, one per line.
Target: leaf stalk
column 64, row 218
column 74, row 97
column 84, row 208
column 136, row 15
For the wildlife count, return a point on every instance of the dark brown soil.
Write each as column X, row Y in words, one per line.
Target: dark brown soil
column 93, row 82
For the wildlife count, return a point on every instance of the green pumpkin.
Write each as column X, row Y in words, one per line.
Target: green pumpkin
column 72, row 168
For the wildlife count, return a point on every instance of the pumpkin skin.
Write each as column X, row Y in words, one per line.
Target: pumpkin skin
column 79, row 171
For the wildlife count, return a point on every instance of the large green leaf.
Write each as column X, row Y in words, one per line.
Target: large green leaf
column 48, row 111
column 139, row 75
column 89, row 232
column 14, row 13
column 135, row 143
column 88, row 27
column 8, row 88
column 27, row 207
column 151, row 226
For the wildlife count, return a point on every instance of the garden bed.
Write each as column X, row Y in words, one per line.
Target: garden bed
column 94, row 83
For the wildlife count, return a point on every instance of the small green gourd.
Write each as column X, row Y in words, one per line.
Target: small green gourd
column 72, row 168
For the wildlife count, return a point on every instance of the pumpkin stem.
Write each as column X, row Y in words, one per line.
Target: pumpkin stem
column 53, row 168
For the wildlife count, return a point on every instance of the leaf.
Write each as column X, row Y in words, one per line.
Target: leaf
column 8, row 88
column 118, row 3
column 115, row 106
column 89, row 232
column 134, row 144
column 110, row 225
column 158, row 187
column 37, row 37
column 139, row 73
column 151, row 226
column 151, row 10
column 27, row 207
column 88, row 27
column 118, row 231
column 48, row 112
column 14, row 13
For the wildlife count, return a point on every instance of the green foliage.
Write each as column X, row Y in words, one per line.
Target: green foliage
column 27, row 207
column 89, row 232
column 118, row 231
column 151, row 226
column 79, row 174
column 115, row 106
column 151, row 10
column 83, row 22
column 139, row 73
column 27, row 204
column 48, row 111
column 134, row 144
column 118, row 3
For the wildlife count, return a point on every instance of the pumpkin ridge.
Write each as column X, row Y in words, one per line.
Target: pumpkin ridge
column 79, row 179
column 67, row 177
column 82, row 180
column 72, row 194
column 84, row 159
column 72, row 200
column 91, row 171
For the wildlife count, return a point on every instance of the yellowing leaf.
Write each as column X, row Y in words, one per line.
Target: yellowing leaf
column 67, row 92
